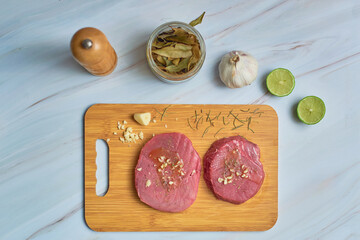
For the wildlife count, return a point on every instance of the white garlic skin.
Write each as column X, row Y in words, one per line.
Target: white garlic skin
column 238, row 69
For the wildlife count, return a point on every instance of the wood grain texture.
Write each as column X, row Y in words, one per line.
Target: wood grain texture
column 121, row 209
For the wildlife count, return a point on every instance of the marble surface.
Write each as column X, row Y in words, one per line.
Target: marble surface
column 44, row 94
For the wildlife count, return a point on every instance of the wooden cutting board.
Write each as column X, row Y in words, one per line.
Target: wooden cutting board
column 121, row 210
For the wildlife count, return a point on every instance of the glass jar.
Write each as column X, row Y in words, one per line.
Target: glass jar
column 173, row 78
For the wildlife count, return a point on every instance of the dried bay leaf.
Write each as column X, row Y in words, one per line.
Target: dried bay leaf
column 176, row 61
column 173, row 52
column 167, row 61
column 161, row 60
column 181, row 46
column 197, row 21
column 180, row 67
column 166, row 34
column 182, row 36
column 195, row 56
column 177, row 51
column 190, row 40
column 159, row 44
column 196, row 51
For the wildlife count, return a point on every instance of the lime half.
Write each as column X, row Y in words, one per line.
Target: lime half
column 280, row 82
column 311, row 110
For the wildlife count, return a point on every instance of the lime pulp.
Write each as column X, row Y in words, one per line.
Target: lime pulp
column 311, row 110
column 280, row 82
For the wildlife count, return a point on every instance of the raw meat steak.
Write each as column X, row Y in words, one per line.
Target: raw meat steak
column 232, row 169
column 168, row 172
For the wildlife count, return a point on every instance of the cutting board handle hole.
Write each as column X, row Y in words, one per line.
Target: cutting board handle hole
column 102, row 167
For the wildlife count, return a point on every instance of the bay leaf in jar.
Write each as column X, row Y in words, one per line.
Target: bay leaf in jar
column 177, row 51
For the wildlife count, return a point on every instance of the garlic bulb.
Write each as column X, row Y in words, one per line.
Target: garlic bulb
column 238, row 69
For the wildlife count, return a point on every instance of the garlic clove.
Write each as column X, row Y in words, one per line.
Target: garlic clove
column 143, row 118
column 238, row 69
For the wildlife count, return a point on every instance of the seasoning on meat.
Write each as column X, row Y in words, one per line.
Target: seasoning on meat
column 232, row 169
column 170, row 162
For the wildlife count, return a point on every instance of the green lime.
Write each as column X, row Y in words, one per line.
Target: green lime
column 311, row 110
column 280, row 82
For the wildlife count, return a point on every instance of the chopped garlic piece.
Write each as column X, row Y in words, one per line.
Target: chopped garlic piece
column 148, row 183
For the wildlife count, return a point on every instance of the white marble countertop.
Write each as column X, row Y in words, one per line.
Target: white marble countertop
column 44, row 94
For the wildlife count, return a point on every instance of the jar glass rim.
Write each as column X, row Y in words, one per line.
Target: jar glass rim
column 163, row 74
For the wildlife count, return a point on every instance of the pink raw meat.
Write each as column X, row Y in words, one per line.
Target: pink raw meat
column 232, row 169
column 168, row 172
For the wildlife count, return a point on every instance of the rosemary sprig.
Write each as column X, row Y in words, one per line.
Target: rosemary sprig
column 190, row 124
column 205, row 131
column 236, row 117
column 249, row 121
column 157, row 111
column 256, row 111
column 164, row 111
column 253, row 112
column 217, row 117
column 218, row 131
column 244, row 110
column 196, row 116
column 237, row 127
column 224, row 121
column 197, row 124
column 208, row 116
